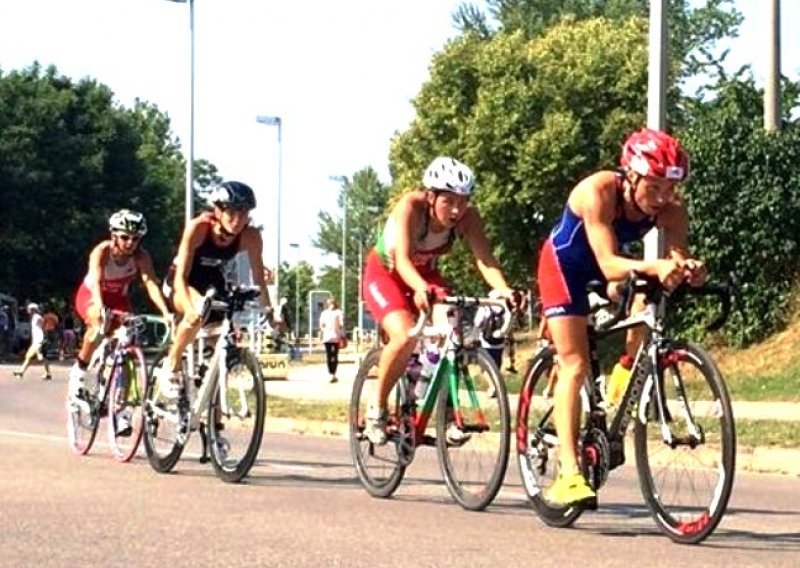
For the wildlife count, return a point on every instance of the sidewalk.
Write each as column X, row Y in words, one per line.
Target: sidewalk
column 310, row 383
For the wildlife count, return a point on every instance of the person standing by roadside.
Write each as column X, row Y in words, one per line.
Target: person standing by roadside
column 37, row 343
column 68, row 337
column 331, row 325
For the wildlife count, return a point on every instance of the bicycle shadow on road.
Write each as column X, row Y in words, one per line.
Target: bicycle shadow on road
column 597, row 522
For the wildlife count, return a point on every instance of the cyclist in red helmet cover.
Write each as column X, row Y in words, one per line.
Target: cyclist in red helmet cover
column 605, row 211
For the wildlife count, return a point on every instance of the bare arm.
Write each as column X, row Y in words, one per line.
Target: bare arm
column 193, row 236
column 251, row 243
column 471, row 227
column 145, row 265
column 97, row 258
column 594, row 199
column 674, row 221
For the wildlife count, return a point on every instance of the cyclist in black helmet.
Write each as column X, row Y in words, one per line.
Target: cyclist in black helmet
column 209, row 241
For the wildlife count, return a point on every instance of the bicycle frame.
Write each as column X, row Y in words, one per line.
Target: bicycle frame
column 444, row 375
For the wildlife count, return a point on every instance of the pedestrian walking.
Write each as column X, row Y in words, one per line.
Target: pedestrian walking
column 37, row 344
column 331, row 325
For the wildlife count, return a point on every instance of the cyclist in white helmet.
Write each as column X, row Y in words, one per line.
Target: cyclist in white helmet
column 113, row 265
column 401, row 275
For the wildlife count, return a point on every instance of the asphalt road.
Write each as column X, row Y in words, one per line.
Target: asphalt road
column 303, row 506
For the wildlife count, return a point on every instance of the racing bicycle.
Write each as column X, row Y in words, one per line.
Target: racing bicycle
column 114, row 386
column 683, row 427
column 472, row 429
column 221, row 395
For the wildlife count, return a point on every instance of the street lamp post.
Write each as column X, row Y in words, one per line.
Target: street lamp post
column 296, row 246
column 343, row 181
column 276, row 121
column 189, row 191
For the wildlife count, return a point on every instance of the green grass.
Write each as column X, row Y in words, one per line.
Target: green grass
column 782, row 386
column 750, row 433
column 774, row 433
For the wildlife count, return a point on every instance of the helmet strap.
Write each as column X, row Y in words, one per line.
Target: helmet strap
column 632, row 185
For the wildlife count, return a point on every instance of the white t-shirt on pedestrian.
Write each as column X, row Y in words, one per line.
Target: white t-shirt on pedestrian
column 331, row 322
column 37, row 329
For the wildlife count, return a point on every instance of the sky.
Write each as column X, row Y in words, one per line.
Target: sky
column 340, row 74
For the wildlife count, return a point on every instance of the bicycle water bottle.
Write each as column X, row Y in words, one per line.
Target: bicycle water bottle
column 429, row 359
column 618, row 381
column 413, row 368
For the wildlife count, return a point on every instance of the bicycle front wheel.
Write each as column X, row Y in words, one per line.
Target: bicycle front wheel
column 380, row 468
column 126, row 404
column 537, row 441
column 236, row 417
column 473, row 430
column 84, row 412
column 687, row 477
column 166, row 423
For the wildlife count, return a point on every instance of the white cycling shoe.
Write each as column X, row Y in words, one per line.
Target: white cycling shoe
column 75, row 382
column 167, row 382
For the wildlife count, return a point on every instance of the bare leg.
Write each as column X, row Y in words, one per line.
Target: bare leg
column 395, row 354
column 572, row 346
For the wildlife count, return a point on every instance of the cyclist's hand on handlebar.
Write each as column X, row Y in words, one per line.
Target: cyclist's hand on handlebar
column 517, row 300
column 423, row 299
column 670, row 273
column 694, row 271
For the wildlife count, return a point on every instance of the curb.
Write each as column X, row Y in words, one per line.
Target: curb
column 783, row 461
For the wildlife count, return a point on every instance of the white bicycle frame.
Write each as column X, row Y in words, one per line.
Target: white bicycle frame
column 218, row 361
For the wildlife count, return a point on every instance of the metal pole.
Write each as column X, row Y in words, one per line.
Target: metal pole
column 656, row 98
column 278, row 214
column 190, row 163
column 276, row 121
column 772, row 100
column 360, row 291
column 344, row 247
column 296, row 246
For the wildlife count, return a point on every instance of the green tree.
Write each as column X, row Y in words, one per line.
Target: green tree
column 694, row 31
column 743, row 200
column 69, row 157
column 531, row 117
column 367, row 200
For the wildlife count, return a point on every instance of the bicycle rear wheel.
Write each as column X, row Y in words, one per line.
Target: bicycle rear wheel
column 125, row 405
column 166, row 423
column 537, row 442
column 473, row 431
column 380, row 468
column 84, row 412
column 687, row 483
column 235, row 428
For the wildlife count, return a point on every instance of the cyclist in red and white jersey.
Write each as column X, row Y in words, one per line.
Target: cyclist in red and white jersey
column 113, row 265
column 401, row 274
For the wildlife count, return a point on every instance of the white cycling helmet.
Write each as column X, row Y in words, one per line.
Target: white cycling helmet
column 448, row 174
column 129, row 222
column 33, row 307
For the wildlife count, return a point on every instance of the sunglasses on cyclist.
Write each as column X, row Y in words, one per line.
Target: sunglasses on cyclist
column 125, row 237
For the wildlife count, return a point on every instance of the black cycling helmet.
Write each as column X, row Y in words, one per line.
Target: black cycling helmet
column 234, row 195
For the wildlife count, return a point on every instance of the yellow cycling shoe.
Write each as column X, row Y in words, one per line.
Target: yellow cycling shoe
column 571, row 489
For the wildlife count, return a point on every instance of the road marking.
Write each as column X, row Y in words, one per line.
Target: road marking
column 18, row 434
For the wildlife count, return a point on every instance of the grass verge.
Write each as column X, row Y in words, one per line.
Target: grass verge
column 750, row 433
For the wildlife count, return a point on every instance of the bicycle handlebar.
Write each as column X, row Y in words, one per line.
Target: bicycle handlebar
column 463, row 302
column 654, row 292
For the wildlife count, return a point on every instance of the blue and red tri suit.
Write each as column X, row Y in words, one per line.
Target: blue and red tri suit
column 567, row 263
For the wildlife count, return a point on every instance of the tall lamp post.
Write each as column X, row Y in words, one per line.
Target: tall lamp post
column 296, row 246
column 189, row 192
column 276, row 121
column 343, row 181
